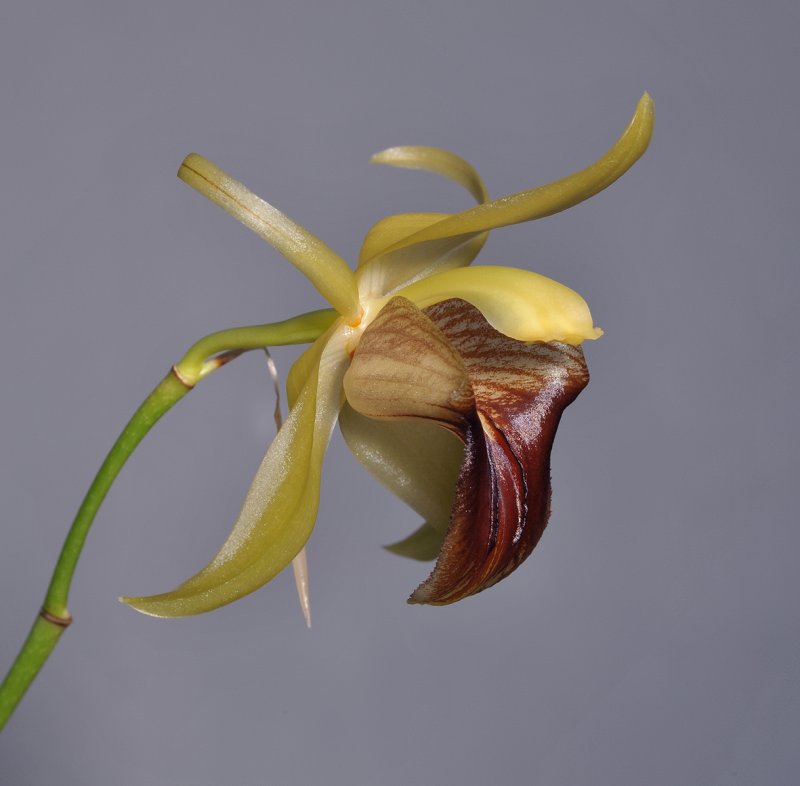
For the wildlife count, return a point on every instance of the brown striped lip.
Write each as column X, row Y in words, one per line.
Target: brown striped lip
column 503, row 398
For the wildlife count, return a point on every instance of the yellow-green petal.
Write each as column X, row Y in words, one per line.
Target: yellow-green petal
column 437, row 160
column 521, row 304
column 280, row 509
column 326, row 270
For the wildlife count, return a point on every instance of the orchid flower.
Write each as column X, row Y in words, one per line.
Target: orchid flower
column 448, row 381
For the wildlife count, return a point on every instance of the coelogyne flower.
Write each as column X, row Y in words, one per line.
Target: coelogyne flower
column 448, row 381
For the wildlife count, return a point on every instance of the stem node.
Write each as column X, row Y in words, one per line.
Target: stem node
column 55, row 619
column 182, row 378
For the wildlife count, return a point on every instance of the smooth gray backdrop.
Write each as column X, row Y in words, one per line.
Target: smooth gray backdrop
column 652, row 638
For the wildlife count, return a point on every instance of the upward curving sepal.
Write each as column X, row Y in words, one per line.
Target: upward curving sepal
column 553, row 197
column 409, row 257
column 326, row 270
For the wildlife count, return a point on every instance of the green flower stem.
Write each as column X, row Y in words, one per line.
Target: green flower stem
column 298, row 330
column 43, row 637
column 55, row 617
column 202, row 358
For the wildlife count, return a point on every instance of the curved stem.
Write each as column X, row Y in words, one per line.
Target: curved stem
column 54, row 617
column 167, row 393
column 197, row 363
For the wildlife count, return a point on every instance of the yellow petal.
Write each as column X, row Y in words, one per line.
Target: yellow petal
column 434, row 159
column 523, row 305
column 280, row 509
column 326, row 270
column 390, row 230
column 415, row 460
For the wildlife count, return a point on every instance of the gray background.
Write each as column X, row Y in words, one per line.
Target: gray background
column 651, row 639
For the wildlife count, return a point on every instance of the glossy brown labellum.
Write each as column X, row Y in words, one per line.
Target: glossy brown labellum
column 502, row 397
column 502, row 500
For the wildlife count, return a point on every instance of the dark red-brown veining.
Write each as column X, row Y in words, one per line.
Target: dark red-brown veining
column 502, row 500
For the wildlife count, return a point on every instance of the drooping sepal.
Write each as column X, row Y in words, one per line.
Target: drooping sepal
column 280, row 508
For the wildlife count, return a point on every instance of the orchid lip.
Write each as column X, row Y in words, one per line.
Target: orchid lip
column 502, row 398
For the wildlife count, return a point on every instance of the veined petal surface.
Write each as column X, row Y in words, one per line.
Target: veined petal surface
column 401, row 357
column 326, row 270
column 280, row 509
column 403, row 380
column 521, row 304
